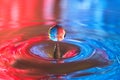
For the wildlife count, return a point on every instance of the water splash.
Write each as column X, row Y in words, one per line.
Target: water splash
column 33, row 56
column 46, row 50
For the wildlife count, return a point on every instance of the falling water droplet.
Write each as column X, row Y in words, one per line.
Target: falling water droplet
column 56, row 33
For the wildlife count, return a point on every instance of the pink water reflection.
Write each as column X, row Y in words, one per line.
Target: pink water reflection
column 15, row 13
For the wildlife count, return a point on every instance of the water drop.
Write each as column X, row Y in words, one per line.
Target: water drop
column 56, row 33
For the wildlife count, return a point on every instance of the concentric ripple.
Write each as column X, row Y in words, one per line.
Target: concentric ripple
column 30, row 56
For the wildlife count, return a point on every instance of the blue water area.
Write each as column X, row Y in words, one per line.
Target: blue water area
column 94, row 24
column 110, row 72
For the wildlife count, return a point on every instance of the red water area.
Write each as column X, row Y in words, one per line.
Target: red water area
column 13, row 45
column 15, row 13
column 21, row 24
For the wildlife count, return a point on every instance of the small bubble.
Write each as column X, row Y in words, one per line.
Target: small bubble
column 56, row 33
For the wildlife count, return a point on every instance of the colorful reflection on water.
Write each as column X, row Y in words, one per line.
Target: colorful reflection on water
column 90, row 49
